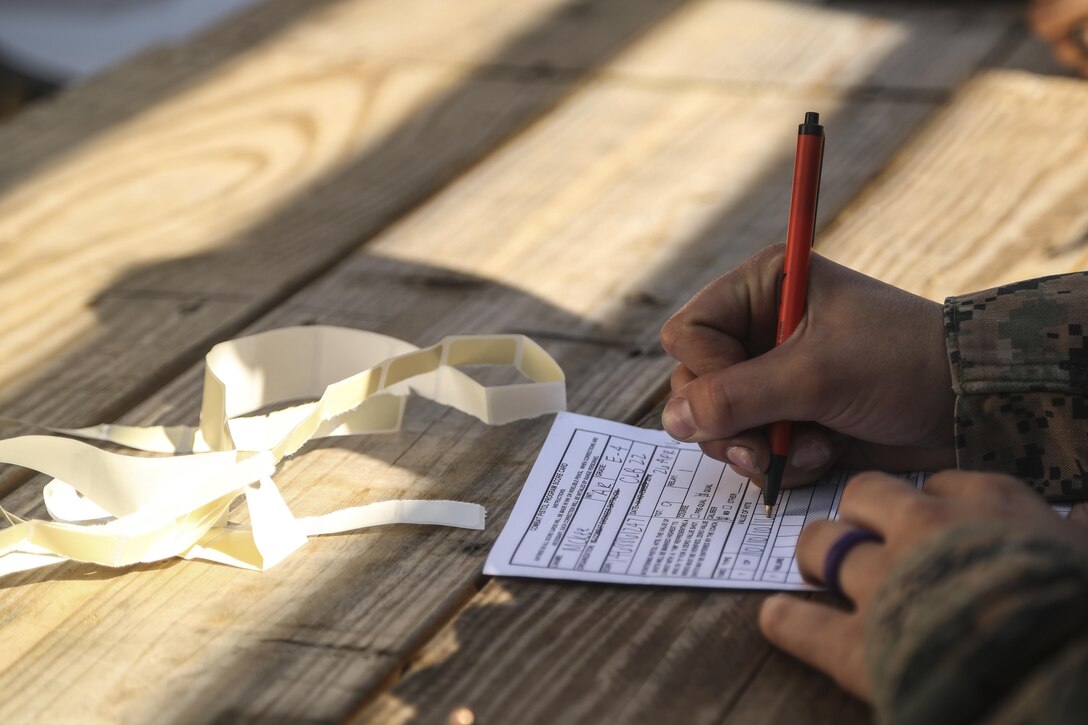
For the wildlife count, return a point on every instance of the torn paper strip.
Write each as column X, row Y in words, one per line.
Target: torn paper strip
column 116, row 510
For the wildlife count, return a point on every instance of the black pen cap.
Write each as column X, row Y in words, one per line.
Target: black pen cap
column 811, row 126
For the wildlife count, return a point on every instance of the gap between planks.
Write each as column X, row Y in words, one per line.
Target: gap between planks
column 940, row 160
column 756, row 235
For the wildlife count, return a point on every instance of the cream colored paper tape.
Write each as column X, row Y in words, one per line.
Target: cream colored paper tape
column 115, row 510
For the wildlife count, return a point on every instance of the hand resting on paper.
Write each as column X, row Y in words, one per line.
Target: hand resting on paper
column 964, row 534
column 865, row 372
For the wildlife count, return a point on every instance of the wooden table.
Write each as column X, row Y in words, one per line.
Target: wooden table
column 571, row 170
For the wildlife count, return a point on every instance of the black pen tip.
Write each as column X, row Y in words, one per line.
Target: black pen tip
column 773, row 480
column 812, row 118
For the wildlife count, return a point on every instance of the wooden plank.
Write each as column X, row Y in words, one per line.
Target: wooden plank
column 1019, row 210
column 167, row 204
column 620, row 655
column 546, row 651
column 209, row 208
column 954, row 214
column 535, row 651
column 122, row 94
column 793, row 43
column 589, row 229
column 314, row 636
column 538, row 652
column 278, row 142
column 881, row 46
column 1030, row 53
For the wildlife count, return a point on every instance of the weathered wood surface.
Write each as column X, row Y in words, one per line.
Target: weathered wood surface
column 276, row 144
column 955, row 213
column 149, row 213
column 586, row 229
column 191, row 214
column 885, row 46
column 611, row 254
column 154, row 211
column 948, row 215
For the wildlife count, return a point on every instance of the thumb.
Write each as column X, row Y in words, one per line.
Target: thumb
column 722, row 403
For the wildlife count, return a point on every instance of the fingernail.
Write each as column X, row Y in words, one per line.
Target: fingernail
column 678, row 420
column 741, row 457
column 810, row 454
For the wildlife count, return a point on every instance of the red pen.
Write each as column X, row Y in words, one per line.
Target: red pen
column 794, row 282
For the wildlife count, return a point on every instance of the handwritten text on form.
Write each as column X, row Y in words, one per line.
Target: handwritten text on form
column 614, row 503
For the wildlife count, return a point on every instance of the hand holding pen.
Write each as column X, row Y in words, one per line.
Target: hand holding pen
column 864, row 376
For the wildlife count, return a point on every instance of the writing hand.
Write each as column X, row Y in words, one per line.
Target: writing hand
column 866, row 371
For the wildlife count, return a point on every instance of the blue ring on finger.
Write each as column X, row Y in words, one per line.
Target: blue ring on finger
column 837, row 554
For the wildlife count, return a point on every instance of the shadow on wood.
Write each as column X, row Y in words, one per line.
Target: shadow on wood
column 359, row 616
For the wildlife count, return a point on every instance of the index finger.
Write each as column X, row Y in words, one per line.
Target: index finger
column 881, row 503
column 710, row 331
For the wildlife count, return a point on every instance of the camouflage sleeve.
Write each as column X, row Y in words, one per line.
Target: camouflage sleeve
column 1019, row 358
column 981, row 626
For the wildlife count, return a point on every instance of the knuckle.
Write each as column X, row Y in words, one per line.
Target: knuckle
column 856, row 486
column 999, row 495
column 771, row 254
column 762, row 266
column 722, row 406
column 922, row 514
column 973, row 484
column 671, row 333
column 771, row 615
column 680, row 377
column 1005, row 485
column 716, row 449
column 988, row 491
column 943, row 478
column 811, row 533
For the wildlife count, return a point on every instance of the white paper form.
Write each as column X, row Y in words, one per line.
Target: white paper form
column 610, row 502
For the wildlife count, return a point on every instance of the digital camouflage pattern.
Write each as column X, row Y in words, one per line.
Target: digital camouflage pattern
column 1019, row 357
column 981, row 626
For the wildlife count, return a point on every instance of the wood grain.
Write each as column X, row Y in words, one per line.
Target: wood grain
column 538, row 652
column 991, row 192
column 290, row 135
column 211, row 207
column 797, row 44
column 585, row 228
column 160, row 208
column 587, row 233
column 547, row 651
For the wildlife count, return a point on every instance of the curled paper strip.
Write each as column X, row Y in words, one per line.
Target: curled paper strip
column 116, row 510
